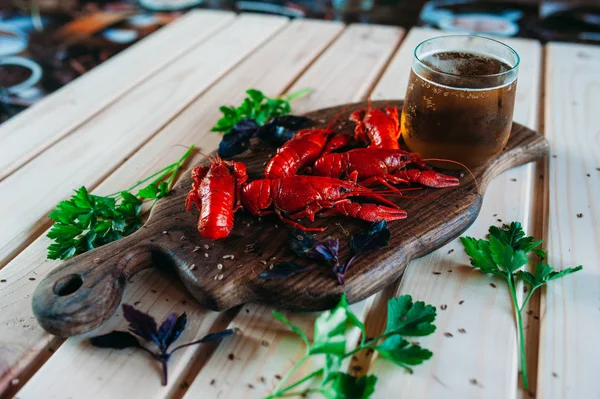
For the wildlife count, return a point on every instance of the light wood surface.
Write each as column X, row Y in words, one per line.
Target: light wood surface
column 311, row 37
column 102, row 144
column 32, row 131
column 487, row 351
column 569, row 346
column 360, row 49
column 290, row 56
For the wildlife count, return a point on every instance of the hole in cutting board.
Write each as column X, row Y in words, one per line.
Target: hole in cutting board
column 68, row 284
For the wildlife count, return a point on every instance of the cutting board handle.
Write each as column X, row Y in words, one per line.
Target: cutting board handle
column 85, row 291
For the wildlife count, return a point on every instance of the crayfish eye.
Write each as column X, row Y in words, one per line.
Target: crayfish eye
column 344, row 190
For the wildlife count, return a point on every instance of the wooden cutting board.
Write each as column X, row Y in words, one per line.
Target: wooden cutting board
column 83, row 292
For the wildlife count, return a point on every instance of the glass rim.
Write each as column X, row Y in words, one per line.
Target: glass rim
column 494, row 75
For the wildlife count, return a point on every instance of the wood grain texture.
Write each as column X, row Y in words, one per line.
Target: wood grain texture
column 22, row 339
column 570, row 317
column 361, row 49
column 88, row 155
column 24, row 136
column 487, row 351
column 170, row 239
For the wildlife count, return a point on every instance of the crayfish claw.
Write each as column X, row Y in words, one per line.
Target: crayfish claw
column 368, row 212
column 431, row 178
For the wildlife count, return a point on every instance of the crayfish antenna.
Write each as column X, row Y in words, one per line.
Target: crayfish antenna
column 339, row 114
column 457, row 163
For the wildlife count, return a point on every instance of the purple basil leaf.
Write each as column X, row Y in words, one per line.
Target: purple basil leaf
column 141, row 323
column 376, row 237
column 217, row 335
column 115, row 340
column 165, row 330
column 237, row 140
column 282, row 270
column 327, row 250
column 282, row 128
column 177, row 329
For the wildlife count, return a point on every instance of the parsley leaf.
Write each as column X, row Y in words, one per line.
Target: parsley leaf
column 402, row 352
column 256, row 106
column 330, row 341
column 346, row 386
column 408, row 318
column 503, row 255
column 87, row 221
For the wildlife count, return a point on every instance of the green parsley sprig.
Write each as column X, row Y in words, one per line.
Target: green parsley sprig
column 87, row 221
column 506, row 251
column 256, row 106
column 405, row 318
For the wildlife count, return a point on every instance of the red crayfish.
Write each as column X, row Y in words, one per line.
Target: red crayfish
column 304, row 149
column 295, row 197
column 216, row 192
column 380, row 128
column 381, row 165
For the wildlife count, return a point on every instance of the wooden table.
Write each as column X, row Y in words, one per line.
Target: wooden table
column 121, row 121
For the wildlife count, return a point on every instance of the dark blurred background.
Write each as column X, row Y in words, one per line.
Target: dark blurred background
column 44, row 44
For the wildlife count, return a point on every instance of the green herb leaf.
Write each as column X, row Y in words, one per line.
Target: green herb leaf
column 402, row 352
column 481, row 255
column 256, row 106
column 544, row 273
column 505, row 256
column 87, row 221
column 330, row 330
column 408, row 318
column 346, row 386
column 292, row 326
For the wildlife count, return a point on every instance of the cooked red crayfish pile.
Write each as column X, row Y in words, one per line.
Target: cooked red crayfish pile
column 220, row 189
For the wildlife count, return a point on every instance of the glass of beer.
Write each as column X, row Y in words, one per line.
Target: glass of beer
column 460, row 99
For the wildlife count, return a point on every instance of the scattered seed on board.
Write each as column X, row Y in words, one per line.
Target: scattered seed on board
column 193, row 266
column 271, row 266
column 447, row 334
column 165, row 232
column 206, row 254
column 216, row 276
column 206, row 246
column 221, row 277
column 462, row 330
column 444, row 307
column 492, row 285
column 196, row 249
column 220, row 266
column 436, row 273
column 228, row 256
column 449, row 252
column 461, row 302
column 97, row 260
column 264, row 262
column 182, row 238
column 580, row 215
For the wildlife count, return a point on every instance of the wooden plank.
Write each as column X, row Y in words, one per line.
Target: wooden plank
column 487, row 352
column 37, row 128
column 135, row 371
column 104, row 142
column 267, row 349
column 568, row 358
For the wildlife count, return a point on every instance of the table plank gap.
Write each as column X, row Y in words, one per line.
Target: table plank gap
column 26, row 135
column 444, row 277
column 310, row 38
column 102, row 144
column 266, row 348
column 570, row 308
